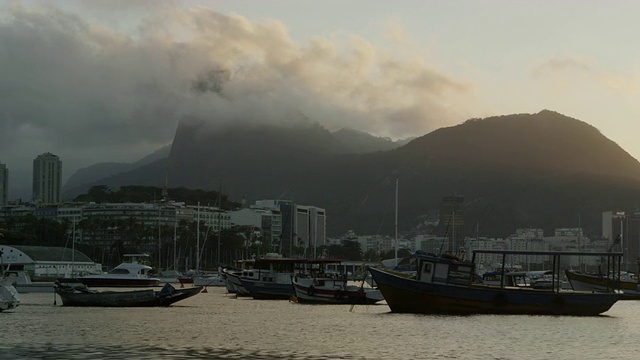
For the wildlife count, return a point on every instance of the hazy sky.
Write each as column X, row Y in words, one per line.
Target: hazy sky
column 108, row 80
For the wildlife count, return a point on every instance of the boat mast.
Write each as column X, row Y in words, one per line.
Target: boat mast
column 396, row 235
column 454, row 244
column 219, row 221
column 73, row 246
column 159, row 243
column 580, row 243
column 175, row 240
column 198, row 239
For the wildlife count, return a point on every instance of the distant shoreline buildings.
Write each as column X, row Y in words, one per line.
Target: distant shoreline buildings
column 280, row 225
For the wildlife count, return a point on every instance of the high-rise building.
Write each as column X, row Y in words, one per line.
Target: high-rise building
column 47, row 179
column 622, row 229
column 4, row 184
column 302, row 226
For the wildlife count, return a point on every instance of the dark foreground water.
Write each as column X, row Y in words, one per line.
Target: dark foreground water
column 214, row 325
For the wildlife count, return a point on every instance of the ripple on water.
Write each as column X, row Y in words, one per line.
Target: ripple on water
column 214, row 325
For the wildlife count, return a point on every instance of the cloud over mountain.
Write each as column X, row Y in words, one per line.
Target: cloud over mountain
column 111, row 82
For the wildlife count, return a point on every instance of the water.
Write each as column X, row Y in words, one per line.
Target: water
column 214, row 325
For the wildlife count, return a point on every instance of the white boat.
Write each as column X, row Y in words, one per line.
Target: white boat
column 9, row 298
column 170, row 276
column 131, row 273
column 209, row 280
column 24, row 284
column 332, row 289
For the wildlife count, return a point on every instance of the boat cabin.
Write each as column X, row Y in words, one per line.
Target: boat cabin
column 444, row 269
column 280, row 269
column 143, row 259
column 131, row 270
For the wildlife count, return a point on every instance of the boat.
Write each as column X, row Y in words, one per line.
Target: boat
column 603, row 283
column 209, row 280
column 82, row 296
column 23, row 283
column 233, row 278
column 185, row 279
column 131, row 273
column 169, row 276
column 9, row 298
column 332, row 289
column 445, row 284
column 271, row 276
column 537, row 279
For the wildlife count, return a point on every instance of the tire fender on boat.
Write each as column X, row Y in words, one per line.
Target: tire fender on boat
column 311, row 290
column 338, row 294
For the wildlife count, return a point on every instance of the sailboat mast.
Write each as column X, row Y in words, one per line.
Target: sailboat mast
column 198, row 239
column 73, row 246
column 159, row 242
column 219, row 222
column 175, row 241
column 396, row 235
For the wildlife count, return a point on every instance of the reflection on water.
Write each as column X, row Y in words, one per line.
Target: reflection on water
column 215, row 325
column 49, row 351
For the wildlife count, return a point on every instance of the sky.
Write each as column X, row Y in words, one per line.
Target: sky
column 109, row 80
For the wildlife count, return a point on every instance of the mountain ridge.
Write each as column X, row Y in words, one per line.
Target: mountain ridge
column 514, row 171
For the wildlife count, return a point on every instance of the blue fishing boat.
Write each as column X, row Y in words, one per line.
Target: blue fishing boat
column 445, row 284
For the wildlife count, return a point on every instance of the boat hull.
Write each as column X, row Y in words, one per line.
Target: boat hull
column 215, row 280
column 586, row 282
column 264, row 290
column 307, row 292
column 136, row 298
column 404, row 295
column 234, row 279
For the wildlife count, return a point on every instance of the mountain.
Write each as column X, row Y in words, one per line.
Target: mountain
column 95, row 172
column 345, row 140
column 524, row 170
column 360, row 142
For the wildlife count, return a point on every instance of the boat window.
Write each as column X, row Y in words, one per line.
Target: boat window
column 119, row 271
column 427, row 268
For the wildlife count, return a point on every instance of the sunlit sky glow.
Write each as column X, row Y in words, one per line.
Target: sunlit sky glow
column 109, row 80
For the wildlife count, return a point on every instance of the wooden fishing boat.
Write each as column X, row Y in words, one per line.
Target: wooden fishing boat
column 271, row 276
column 602, row 283
column 448, row 285
column 332, row 289
column 82, row 296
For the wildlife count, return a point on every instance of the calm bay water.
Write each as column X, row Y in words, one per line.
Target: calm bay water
column 215, row 325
